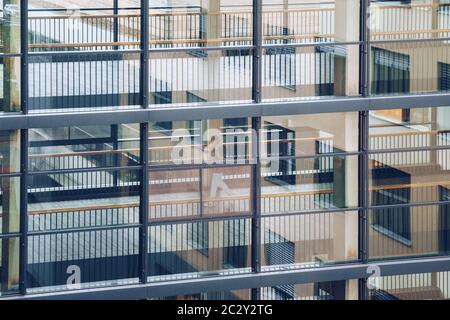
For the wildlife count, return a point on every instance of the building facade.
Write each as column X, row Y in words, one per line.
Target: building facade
column 218, row 149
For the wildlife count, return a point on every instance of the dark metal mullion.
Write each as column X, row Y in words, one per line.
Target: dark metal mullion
column 115, row 23
column 23, row 211
column 144, row 206
column 23, row 261
column 257, row 51
column 363, row 146
column 144, row 197
column 115, row 141
column 256, row 128
column 256, row 204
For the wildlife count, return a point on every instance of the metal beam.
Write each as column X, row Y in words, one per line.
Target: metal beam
column 246, row 281
column 222, row 111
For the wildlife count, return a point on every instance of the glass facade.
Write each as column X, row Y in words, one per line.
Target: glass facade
column 152, row 141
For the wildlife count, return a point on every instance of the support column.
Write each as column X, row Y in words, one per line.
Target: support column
column 11, row 45
column 10, row 205
column 10, row 147
column 346, row 82
column 211, row 15
column 144, row 233
column 211, row 30
column 256, row 146
column 346, row 71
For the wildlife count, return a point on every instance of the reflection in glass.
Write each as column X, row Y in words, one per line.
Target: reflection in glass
column 325, row 290
column 174, row 194
column 10, row 26
column 309, row 184
column 193, row 193
column 185, row 250
column 418, row 286
column 293, row 21
column 83, row 147
column 213, row 141
column 194, row 77
column 197, row 24
column 83, row 259
column 9, row 204
column 83, row 26
column 309, row 71
column 9, row 151
column 76, row 82
column 309, row 240
column 410, row 67
column 409, row 128
column 413, row 19
column 226, row 190
column 9, row 264
column 408, row 177
column 70, row 200
column 241, row 294
column 315, row 134
column 409, row 231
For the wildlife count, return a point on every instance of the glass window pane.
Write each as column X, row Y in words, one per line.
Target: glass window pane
column 213, row 141
column 418, row 286
column 293, row 21
column 409, row 67
column 175, row 250
column 409, row 128
column 9, row 204
column 84, row 82
column 84, row 26
column 82, row 147
column 200, row 76
column 309, row 184
column 408, row 177
column 324, row 290
column 314, row 134
column 409, row 231
column 413, row 19
column 70, row 200
column 84, row 259
column 290, row 73
column 9, row 151
column 10, row 26
column 174, row 194
column 226, row 190
column 309, row 240
column 241, row 294
column 9, row 265
column 197, row 23
column 193, row 193
column 10, row 87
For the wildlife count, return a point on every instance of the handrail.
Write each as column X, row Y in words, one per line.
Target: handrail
column 269, row 12
column 410, row 185
column 175, row 202
column 233, row 198
column 413, row 133
column 131, row 150
column 408, row 32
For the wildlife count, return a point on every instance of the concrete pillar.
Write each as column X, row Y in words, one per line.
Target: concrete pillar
column 10, row 205
column 11, row 44
column 435, row 16
column 346, row 82
column 285, row 20
column 346, row 69
column 345, row 224
column 10, row 147
column 211, row 11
